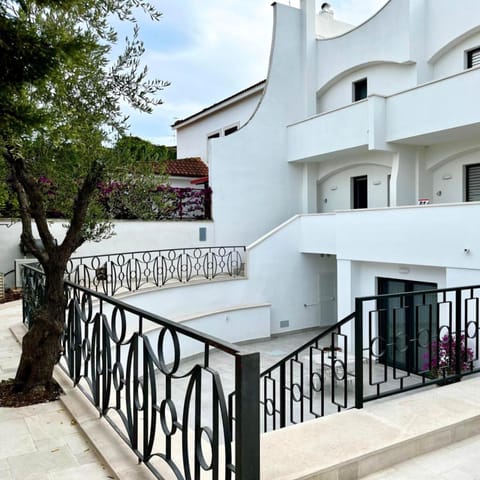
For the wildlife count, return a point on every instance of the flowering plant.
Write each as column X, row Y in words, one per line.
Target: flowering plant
column 441, row 356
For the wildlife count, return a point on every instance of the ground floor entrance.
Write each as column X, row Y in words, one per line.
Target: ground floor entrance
column 407, row 325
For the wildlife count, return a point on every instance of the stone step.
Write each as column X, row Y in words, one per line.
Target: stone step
column 357, row 443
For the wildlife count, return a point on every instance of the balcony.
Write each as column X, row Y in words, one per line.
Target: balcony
column 429, row 235
column 439, row 111
column 340, row 130
column 435, row 112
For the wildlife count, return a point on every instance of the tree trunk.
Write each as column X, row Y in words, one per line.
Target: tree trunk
column 42, row 345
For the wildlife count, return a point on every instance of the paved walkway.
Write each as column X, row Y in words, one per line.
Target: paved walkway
column 458, row 461
column 43, row 442
column 40, row 442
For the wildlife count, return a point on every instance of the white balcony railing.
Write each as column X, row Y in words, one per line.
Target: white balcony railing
column 423, row 115
column 430, row 235
column 342, row 129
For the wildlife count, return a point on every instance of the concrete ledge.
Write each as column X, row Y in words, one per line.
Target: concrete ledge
column 356, row 443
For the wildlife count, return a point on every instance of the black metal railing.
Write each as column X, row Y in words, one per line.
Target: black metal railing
column 390, row 344
column 128, row 272
column 153, row 380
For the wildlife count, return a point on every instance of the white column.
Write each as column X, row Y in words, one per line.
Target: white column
column 403, row 185
column 345, row 301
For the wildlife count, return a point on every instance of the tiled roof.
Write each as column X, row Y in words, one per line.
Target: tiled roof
column 186, row 167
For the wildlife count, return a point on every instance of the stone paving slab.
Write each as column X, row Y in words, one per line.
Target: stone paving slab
column 356, row 443
column 40, row 442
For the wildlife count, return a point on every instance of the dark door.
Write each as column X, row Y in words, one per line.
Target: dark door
column 359, row 192
column 408, row 324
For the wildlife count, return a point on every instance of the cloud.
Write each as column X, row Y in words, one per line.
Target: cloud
column 211, row 49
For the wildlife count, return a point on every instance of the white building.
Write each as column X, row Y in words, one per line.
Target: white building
column 218, row 120
column 352, row 135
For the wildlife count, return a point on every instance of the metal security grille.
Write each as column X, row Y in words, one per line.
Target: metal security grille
column 472, row 183
column 473, row 58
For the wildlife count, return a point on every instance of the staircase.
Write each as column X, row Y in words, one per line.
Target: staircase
column 357, row 443
column 390, row 346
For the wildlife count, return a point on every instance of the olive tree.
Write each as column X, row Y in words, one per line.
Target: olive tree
column 60, row 109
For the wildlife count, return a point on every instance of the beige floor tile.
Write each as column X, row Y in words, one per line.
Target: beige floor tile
column 5, row 474
column 41, row 462
column 15, row 439
column 54, row 424
column 458, row 474
column 83, row 472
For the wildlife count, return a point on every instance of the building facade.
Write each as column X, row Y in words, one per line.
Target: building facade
column 359, row 171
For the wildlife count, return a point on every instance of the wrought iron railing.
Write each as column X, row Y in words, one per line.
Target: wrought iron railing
column 153, row 381
column 128, row 272
column 390, row 344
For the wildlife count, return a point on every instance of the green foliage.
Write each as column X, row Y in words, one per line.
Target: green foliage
column 60, row 97
column 142, row 150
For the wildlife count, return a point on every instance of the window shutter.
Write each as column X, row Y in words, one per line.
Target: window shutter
column 474, row 58
column 473, row 183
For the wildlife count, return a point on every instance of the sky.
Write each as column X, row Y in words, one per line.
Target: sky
column 209, row 50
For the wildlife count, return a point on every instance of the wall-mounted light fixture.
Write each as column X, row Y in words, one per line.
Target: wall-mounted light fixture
column 403, row 269
column 439, row 193
column 377, row 182
column 447, row 176
column 333, row 188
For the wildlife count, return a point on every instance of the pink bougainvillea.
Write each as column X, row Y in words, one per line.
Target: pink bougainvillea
column 441, row 357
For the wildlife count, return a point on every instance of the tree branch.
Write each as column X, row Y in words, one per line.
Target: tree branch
column 74, row 238
column 25, row 216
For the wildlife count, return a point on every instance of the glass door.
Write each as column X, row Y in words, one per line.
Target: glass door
column 407, row 324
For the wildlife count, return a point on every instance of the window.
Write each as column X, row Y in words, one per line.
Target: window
column 359, row 90
column 472, row 183
column 213, row 135
column 473, row 58
column 359, row 192
column 230, row 130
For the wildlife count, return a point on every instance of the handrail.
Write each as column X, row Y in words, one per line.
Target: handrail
column 391, row 343
column 130, row 271
column 321, row 335
column 151, row 387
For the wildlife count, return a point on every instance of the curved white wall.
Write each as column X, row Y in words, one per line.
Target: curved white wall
column 453, row 60
column 254, row 188
column 334, row 193
column 449, row 178
column 447, row 22
column 385, row 37
column 382, row 79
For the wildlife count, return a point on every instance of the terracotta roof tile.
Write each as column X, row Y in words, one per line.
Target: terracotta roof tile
column 186, row 167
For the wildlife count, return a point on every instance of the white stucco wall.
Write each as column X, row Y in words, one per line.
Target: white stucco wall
column 130, row 236
column 449, row 178
column 453, row 60
column 335, row 193
column 448, row 24
column 383, row 38
column 277, row 274
column 382, row 79
column 192, row 138
column 254, row 189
